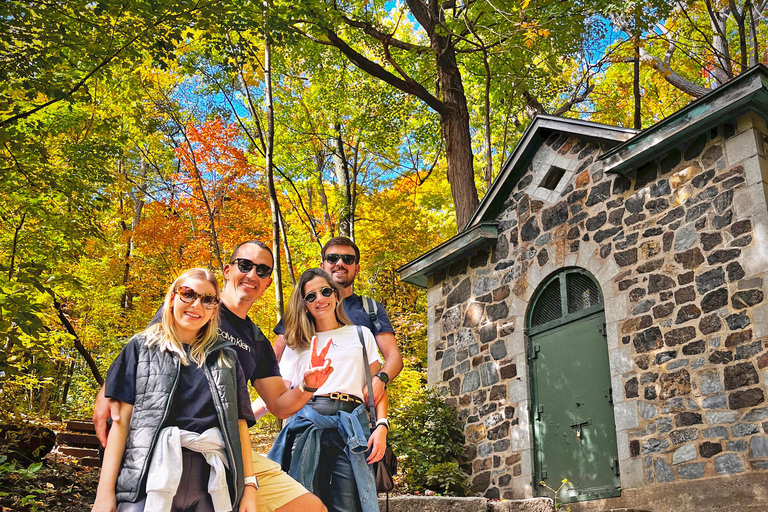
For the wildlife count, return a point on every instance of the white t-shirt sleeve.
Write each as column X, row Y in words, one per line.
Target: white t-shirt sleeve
column 292, row 365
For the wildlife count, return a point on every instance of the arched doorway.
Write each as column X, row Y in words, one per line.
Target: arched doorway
column 572, row 403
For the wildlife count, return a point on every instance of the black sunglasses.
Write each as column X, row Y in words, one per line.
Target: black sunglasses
column 245, row 266
column 325, row 291
column 348, row 259
column 188, row 296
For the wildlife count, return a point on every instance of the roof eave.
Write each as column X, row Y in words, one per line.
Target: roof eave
column 516, row 165
column 417, row 272
column 748, row 91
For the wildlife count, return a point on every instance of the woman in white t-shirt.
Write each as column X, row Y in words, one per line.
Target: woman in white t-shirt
column 329, row 438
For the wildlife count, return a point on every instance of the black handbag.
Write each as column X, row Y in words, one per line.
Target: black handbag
column 385, row 468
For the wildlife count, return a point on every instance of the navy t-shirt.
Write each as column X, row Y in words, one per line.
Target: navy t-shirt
column 255, row 352
column 353, row 307
column 192, row 406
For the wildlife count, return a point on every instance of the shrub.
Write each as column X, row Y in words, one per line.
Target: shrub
column 428, row 439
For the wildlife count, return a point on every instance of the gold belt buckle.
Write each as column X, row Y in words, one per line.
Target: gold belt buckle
column 336, row 396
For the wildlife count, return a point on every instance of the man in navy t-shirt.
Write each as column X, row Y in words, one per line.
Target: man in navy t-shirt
column 247, row 276
column 341, row 258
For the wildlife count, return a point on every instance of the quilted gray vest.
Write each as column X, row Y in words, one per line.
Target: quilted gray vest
column 157, row 374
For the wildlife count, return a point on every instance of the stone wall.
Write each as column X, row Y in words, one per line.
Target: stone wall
column 680, row 250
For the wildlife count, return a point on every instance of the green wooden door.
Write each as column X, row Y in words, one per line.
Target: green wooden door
column 572, row 411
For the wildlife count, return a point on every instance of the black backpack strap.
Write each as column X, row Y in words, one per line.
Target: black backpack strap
column 372, row 308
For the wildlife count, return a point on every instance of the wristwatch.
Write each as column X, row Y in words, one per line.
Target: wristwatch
column 251, row 481
column 306, row 388
column 383, row 377
column 383, row 421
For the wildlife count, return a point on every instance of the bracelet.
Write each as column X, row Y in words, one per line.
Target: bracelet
column 383, row 421
column 306, row 388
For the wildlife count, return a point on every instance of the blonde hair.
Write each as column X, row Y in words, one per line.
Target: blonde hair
column 299, row 323
column 163, row 334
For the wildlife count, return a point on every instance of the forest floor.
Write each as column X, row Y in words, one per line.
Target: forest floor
column 60, row 484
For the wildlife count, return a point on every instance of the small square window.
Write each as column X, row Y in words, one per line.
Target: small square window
column 553, row 177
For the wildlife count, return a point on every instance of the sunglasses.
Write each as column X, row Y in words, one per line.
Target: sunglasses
column 188, row 296
column 348, row 259
column 325, row 291
column 245, row 266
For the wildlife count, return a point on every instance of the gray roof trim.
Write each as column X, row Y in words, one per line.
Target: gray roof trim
column 537, row 132
column 748, row 91
column 417, row 271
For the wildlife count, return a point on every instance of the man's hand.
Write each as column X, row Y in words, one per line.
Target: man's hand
column 319, row 366
column 378, row 390
column 377, row 444
column 103, row 409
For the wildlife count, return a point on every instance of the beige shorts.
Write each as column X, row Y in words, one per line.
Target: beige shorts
column 276, row 488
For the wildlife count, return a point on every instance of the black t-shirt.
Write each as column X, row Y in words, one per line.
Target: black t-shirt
column 192, row 406
column 353, row 307
column 256, row 355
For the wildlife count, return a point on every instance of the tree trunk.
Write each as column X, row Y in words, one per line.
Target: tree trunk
column 754, row 14
column 15, row 245
column 723, row 71
column 138, row 205
column 341, row 166
column 274, row 205
column 487, row 111
column 67, row 382
column 287, row 249
column 741, row 19
column 458, row 151
column 319, row 166
column 638, row 122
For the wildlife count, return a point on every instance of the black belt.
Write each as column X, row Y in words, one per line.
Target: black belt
column 333, row 403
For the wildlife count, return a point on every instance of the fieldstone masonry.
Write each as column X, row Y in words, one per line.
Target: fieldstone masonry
column 679, row 249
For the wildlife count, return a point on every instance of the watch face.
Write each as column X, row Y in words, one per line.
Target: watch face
column 383, row 377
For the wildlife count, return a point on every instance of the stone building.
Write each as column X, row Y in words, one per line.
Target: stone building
column 602, row 317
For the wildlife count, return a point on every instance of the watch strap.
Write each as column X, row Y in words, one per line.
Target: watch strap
column 306, row 388
column 251, row 481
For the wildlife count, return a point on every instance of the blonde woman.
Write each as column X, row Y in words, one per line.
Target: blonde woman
column 327, row 446
column 181, row 443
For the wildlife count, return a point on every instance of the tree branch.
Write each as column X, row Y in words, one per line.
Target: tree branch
column 375, row 70
column 78, row 344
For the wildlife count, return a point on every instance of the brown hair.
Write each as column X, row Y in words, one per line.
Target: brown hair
column 163, row 334
column 299, row 323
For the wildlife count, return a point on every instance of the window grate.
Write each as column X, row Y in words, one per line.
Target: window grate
column 549, row 305
column 582, row 293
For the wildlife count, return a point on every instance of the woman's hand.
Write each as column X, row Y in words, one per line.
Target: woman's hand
column 319, row 366
column 377, row 444
column 248, row 501
column 104, row 503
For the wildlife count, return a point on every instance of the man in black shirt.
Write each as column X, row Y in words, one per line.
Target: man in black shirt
column 247, row 276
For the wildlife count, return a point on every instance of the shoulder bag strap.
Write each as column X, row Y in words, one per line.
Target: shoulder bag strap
column 371, row 409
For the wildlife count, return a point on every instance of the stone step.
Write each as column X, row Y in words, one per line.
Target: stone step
column 78, row 452
column 448, row 504
column 77, row 440
column 81, row 426
column 92, row 462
